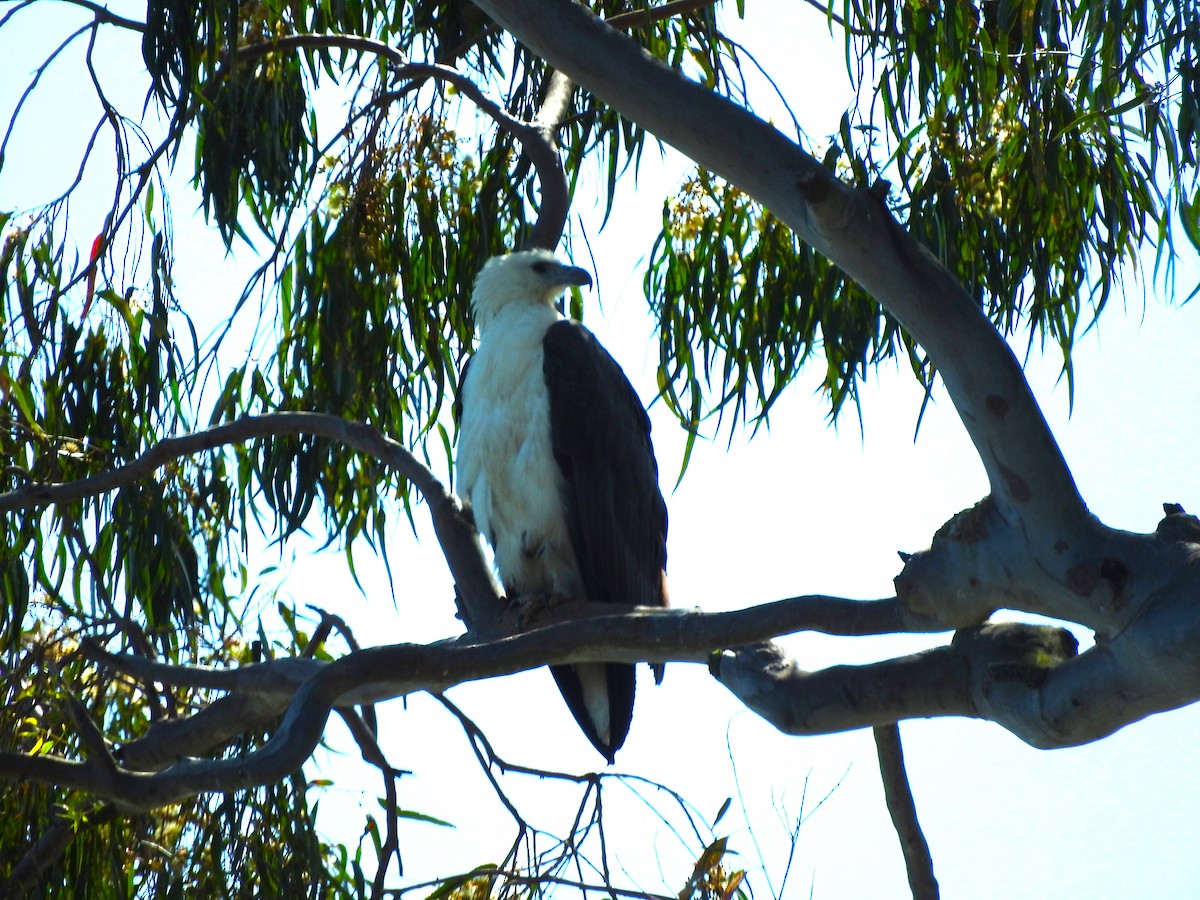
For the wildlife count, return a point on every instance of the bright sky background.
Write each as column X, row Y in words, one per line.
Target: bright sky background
column 802, row 508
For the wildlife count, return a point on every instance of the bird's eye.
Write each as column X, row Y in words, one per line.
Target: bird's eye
column 540, row 267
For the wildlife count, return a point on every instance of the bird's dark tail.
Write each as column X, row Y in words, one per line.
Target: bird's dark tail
column 589, row 698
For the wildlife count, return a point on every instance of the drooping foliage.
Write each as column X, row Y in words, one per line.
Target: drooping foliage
column 1035, row 146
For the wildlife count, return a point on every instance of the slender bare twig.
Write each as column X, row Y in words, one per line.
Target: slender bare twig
column 104, row 16
column 33, row 83
column 473, row 577
column 640, row 18
column 536, row 138
column 486, row 757
column 903, row 809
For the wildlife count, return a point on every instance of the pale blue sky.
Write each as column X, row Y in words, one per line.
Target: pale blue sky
column 803, row 508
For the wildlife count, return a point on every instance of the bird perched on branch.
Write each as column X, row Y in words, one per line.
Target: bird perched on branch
column 554, row 456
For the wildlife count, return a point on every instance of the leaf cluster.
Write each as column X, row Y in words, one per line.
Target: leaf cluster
column 1037, row 148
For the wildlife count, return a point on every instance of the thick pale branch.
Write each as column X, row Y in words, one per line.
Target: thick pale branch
column 1025, row 678
column 981, row 561
column 842, row 698
column 382, row 673
column 1032, row 545
column 1024, row 465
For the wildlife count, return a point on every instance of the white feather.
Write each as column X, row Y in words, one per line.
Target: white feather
column 506, row 465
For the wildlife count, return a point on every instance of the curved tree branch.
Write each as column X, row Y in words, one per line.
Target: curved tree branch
column 1033, row 494
column 103, row 16
column 555, row 206
column 897, row 794
column 1031, row 545
column 849, row 227
column 364, row 676
column 477, row 588
column 1026, row 678
column 536, row 138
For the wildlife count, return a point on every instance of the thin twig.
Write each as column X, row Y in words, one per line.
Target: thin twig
column 898, row 794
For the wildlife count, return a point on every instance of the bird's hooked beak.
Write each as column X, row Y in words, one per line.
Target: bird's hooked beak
column 572, row 275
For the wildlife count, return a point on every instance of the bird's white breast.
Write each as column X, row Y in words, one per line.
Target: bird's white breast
column 506, row 466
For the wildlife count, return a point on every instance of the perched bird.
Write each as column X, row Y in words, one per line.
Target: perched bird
column 554, row 456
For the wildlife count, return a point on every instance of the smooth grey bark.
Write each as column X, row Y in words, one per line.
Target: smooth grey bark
column 1031, row 545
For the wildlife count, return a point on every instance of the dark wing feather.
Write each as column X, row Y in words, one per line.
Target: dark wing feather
column 615, row 512
column 601, row 440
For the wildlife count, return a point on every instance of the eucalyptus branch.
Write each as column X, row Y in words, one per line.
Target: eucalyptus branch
column 644, row 633
column 258, row 694
column 832, row 615
column 627, row 21
column 360, row 437
column 33, row 82
column 49, row 848
column 903, row 809
column 366, row 676
column 556, row 199
column 104, row 16
column 481, row 747
column 536, row 138
column 460, row 545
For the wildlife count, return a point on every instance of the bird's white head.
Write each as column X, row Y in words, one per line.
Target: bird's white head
column 528, row 276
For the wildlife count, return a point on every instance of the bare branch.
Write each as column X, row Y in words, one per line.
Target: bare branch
column 169, row 740
column 841, row 698
column 512, row 877
column 365, row 676
column 460, row 545
column 641, row 18
column 104, row 16
column 555, row 206
column 898, row 795
column 1026, row 678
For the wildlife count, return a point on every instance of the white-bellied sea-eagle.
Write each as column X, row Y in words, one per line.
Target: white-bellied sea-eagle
column 554, row 456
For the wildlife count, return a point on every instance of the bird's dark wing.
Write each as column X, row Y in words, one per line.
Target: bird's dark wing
column 615, row 513
column 601, row 440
